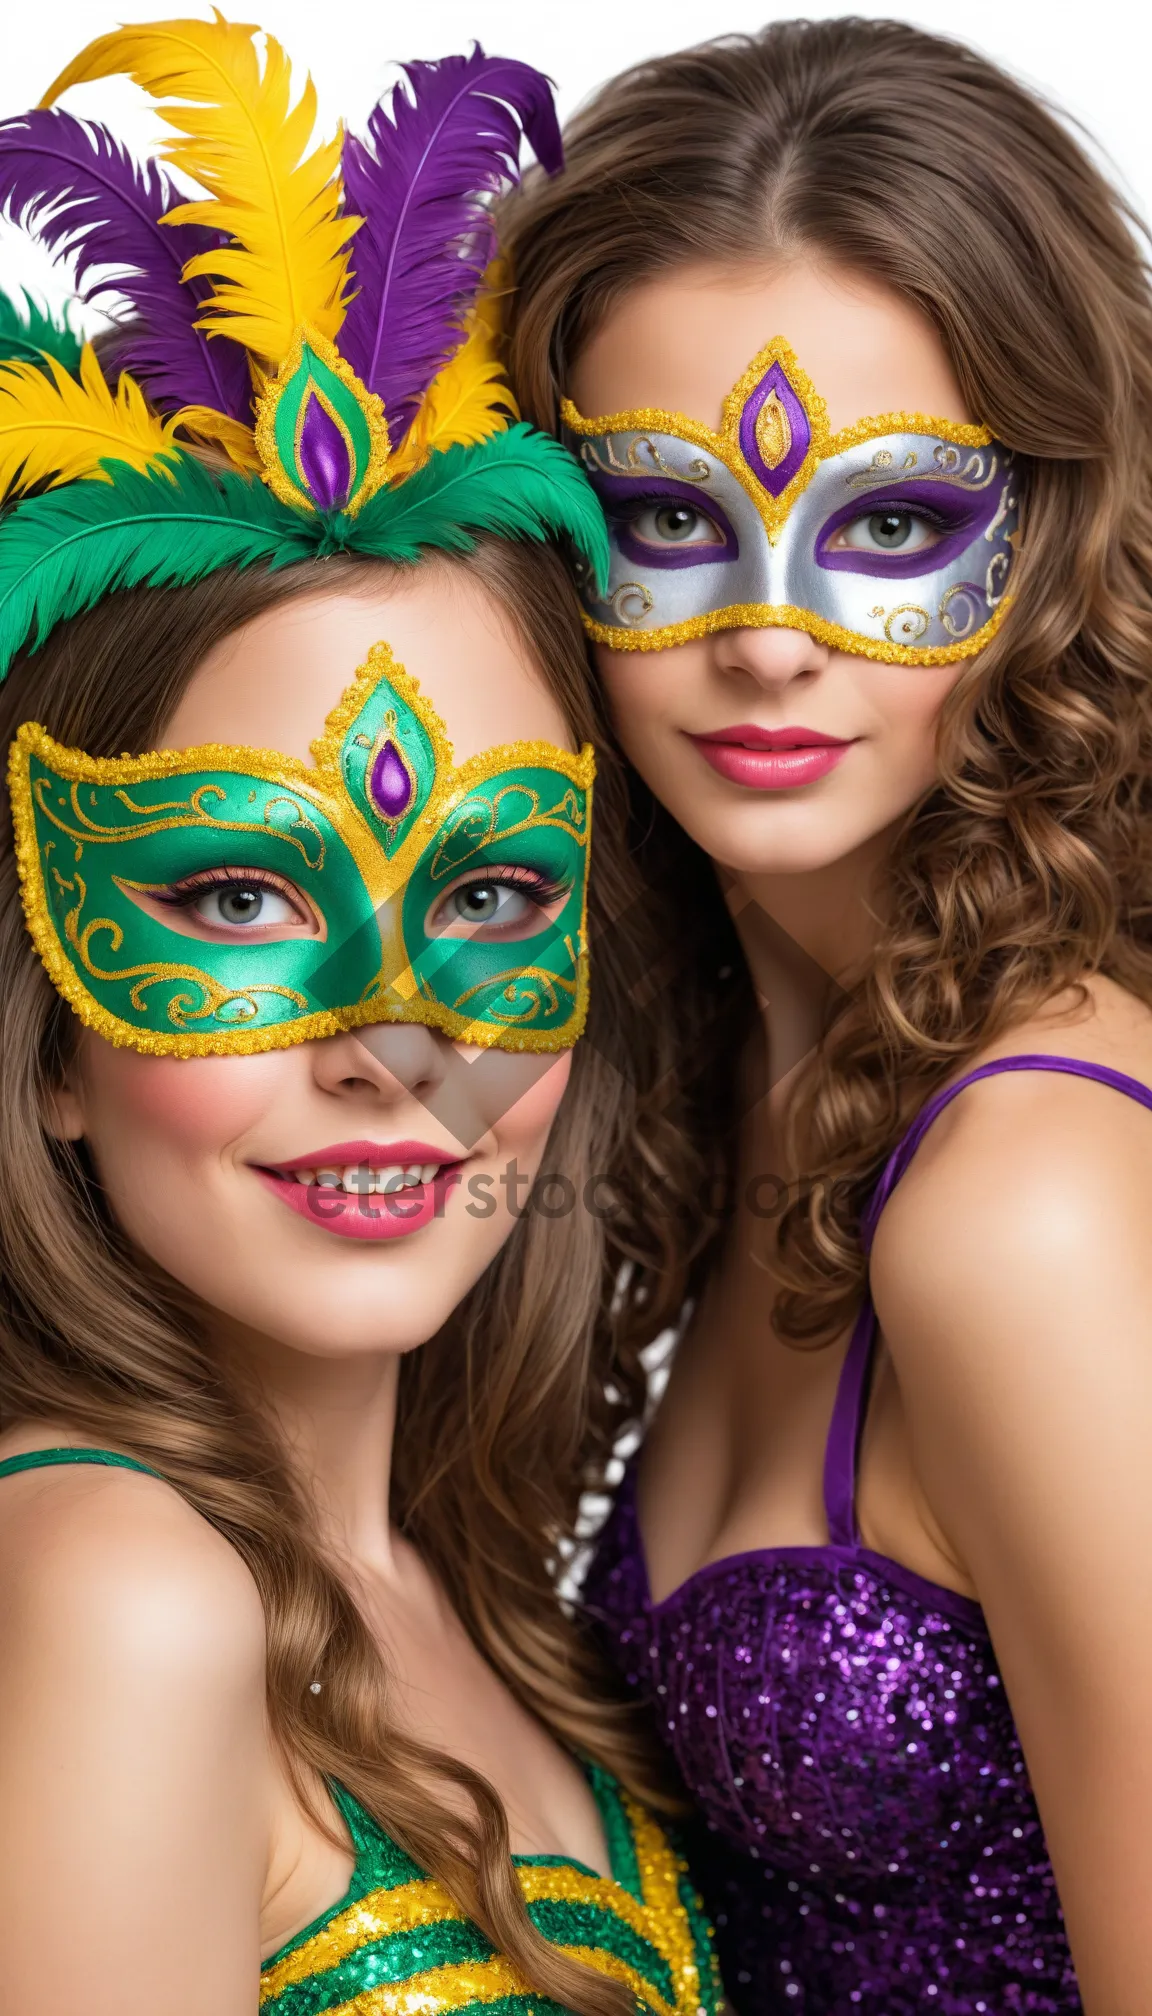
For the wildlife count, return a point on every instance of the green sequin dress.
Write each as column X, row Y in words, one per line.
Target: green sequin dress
column 397, row 1945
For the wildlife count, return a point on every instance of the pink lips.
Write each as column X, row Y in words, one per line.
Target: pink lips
column 366, row 1214
column 770, row 759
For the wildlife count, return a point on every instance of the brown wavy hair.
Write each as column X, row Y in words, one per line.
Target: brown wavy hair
column 1029, row 866
column 504, row 1415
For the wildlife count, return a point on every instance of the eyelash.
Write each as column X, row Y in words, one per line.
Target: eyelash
column 542, row 888
column 181, row 895
column 908, row 508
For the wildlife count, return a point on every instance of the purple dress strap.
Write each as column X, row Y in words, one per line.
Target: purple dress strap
column 848, row 1412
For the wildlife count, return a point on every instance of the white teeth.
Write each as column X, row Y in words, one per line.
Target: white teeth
column 363, row 1181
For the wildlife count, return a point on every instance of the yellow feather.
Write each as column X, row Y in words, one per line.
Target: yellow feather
column 243, row 141
column 231, row 437
column 54, row 429
column 466, row 402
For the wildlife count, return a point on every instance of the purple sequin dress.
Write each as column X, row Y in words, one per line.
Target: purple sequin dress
column 869, row 1845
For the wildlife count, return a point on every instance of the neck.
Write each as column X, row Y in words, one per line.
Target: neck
column 805, row 937
column 336, row 1418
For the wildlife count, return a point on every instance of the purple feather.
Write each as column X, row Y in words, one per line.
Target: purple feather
column 421, row 182
column 73, row 186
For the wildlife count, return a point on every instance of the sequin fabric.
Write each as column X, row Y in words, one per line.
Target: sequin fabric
column 871, row 1845
column 868, row 1842
column 397, row 1945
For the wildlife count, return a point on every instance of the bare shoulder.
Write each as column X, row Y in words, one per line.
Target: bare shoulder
column 1029, row 1174
column 111, row 1562
column 136, row 1773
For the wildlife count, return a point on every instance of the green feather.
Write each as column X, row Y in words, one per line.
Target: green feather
column 30, row 333
column 62, row 552
column 519, row 484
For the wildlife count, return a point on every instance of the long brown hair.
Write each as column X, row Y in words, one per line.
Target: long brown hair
column 912, row 159
column 502, row 1417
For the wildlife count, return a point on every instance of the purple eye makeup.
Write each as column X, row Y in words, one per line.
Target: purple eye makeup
column 893, row 539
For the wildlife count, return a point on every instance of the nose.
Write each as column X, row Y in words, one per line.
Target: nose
column 391, row 1060
column 772, row 659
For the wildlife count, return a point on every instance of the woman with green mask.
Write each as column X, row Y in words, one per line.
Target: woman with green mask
column 294, row 1382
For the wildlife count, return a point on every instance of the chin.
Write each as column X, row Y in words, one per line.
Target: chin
column 785, row 840
column 365, row 1312
column 311, row 1289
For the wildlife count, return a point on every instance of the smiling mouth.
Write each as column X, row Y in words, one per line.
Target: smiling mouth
column 366, row 1189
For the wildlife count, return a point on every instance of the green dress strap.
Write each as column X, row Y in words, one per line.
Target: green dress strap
column 46, row 1459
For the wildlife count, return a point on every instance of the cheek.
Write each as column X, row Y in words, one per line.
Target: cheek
column 645, row 690
column 908, row 700
column 144, row 1116
column 521, row 1095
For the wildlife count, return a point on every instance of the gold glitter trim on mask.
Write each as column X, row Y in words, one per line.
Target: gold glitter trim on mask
column 725, row 444
column 767, row 616
column 321, row 784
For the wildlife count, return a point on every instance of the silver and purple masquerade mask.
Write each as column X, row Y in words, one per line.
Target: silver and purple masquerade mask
column 894, row 538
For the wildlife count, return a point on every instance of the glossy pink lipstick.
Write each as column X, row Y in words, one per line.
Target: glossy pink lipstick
column 366, row 1189
column 770, row 759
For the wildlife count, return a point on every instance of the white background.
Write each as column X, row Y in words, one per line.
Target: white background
column 1090, row 60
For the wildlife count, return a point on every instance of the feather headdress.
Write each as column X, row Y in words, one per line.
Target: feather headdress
column 325, row 317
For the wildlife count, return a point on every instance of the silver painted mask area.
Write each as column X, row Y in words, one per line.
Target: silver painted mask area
column 893, row 539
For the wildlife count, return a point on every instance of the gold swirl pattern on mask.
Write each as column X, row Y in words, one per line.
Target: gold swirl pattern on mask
column 482, row 814
column 946, row 466
column 182, row 1008
column 541, row 991
column 696, row 472
column 183, row 812
column 643, row 421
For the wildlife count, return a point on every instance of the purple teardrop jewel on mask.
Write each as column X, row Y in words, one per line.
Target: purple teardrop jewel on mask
column 774, row 432
column 390, row 784
column 323, row 456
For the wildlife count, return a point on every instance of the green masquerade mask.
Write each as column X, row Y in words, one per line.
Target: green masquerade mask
column 377, row 837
